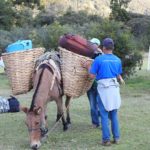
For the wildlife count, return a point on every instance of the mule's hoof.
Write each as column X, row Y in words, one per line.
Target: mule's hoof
column 69, row 125
column 65, row 127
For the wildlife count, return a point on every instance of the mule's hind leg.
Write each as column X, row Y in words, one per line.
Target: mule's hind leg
column 60, row 113
column 67, row 102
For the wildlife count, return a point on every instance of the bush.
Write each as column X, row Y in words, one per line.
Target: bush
column 81, row 23
column 44, row 18
column 23, row 16
column 140, row 27
column 6, row 15
column 4, row 40
column 48, row 36
column 125, row 44
column 8, row 37
column 79, row 18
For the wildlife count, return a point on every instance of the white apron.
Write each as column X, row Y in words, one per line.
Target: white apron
column 109, row 92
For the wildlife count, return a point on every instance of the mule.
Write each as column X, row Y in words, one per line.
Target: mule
column 47, row 88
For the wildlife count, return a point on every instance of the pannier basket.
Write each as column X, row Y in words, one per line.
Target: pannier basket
column 19, row 68
column 76, row 81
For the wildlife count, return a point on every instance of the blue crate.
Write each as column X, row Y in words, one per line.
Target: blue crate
column 20, row 45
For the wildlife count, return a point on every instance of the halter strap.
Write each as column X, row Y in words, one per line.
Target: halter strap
column 34, row 129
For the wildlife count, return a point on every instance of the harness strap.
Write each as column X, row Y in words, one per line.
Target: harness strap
column 55, row 70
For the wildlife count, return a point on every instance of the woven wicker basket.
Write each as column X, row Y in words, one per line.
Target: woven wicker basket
column 76, row 79
column 19, row 68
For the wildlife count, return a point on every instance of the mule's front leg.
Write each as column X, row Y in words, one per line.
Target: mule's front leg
column 60, row 114
column 44, row 126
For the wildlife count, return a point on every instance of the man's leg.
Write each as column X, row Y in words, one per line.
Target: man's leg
column 93, row 106
column 104, row 121
column 115, row 124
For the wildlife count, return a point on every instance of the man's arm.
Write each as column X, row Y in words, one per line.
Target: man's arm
column 121, row 79
column 87, row 65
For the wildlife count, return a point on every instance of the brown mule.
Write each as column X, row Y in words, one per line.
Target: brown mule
column 36, row 118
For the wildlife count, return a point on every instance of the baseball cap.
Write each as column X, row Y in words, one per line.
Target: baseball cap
column 108, row 43
column 96, row 41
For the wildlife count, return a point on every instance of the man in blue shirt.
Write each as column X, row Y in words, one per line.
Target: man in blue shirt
column 107, row 69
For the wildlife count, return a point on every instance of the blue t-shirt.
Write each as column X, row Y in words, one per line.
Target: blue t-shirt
column 106, row 66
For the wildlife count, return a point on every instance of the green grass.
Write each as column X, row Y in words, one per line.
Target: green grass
column 1, row 70
column 134, row 121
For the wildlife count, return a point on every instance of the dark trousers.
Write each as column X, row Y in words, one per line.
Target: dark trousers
column 95, row 114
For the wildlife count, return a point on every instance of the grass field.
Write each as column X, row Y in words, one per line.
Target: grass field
column 134, row 121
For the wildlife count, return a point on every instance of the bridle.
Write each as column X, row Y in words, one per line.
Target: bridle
column 33, row 129
column 41, row 129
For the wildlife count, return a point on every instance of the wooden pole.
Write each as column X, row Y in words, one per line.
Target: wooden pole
column 148, row 65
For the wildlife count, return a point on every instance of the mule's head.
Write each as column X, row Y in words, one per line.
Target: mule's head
column 33, row 122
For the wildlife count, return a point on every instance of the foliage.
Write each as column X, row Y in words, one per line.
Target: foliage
column 118, row 10
column 48, row 36
column 23, row 16
column 140, row 27
column 79, row 18
column 29, row 3
column 4, row 39
column 46, row 32
column 44, row 18
column 125, row 44
column 8, row 37
column 12, row 16
column 6, row 15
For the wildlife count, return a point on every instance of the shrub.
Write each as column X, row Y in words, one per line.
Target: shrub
column 118, row 10
column 23, row 16
column 125, row 44
column 4, row 40
column 79, row 18
column 6, row 15
column 48, row 36
column 8, row 37
column 140, row 27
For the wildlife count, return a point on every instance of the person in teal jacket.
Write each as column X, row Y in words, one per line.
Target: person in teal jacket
column 92, row 93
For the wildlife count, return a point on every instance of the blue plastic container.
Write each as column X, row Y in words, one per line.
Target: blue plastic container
column 20, row 45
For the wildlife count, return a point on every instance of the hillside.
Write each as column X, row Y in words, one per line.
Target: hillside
column 140, row 6
column 100, row 7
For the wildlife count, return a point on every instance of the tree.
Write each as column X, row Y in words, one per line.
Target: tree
column 140, row 27
column 6, row 15
column 118, row 10
column 29, row 3
column 125, row 44
column 80, row 18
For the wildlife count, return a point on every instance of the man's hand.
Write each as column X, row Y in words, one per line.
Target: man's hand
column 86, row 64
column 122, row 81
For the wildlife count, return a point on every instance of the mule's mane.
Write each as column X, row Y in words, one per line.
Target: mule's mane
column 43, row 67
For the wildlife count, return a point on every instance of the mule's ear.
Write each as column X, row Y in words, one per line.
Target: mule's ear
column 24, row 109
column 37, row 110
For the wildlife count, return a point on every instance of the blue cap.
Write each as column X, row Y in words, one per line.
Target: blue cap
column 96, row 41
column 108, row 43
